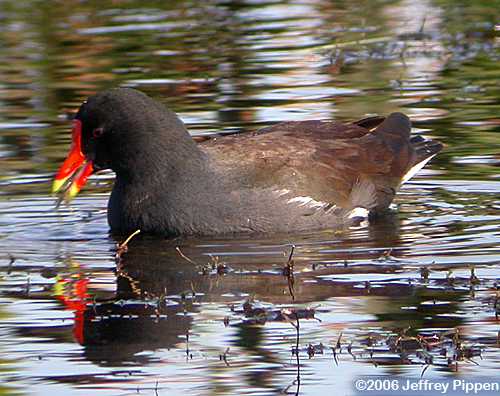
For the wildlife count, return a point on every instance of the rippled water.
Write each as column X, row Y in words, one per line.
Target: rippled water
column 415, row 294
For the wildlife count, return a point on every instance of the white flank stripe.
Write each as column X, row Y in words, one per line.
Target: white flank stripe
column 307, row 201
column 413, row 170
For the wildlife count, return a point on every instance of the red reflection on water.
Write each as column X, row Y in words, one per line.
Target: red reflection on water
column 72, row 292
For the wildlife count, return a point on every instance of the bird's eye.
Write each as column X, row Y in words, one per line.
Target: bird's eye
column 98, row 132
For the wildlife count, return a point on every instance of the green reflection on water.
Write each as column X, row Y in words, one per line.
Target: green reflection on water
column 232, row 66
column 6, row 366
column 224, row 60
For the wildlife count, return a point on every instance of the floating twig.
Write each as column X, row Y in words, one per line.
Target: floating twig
column 12, row 260
column 424, row 273
column 349, row 350
column 122, row 247
column 424, row 370
column 178, row 249
column 335, row 356
column 288, row 273
column 474, row 280
column 338, row 345
column 223, row 357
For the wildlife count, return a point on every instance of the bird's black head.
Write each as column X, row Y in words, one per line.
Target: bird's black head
column 127, row 131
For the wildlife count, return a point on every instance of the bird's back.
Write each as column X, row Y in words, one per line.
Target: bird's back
column 322, row 166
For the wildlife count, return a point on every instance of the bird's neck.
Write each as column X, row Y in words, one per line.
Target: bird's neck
column 163, row 164
column 162, row 194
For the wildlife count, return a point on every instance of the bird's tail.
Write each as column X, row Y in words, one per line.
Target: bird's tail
column 425, row 150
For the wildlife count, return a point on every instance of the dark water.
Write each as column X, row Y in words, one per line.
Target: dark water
column 414, row 294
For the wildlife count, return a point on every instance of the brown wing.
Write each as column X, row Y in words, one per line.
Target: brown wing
column 343, row 164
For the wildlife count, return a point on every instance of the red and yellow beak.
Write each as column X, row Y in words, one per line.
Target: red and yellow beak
column 75, row 170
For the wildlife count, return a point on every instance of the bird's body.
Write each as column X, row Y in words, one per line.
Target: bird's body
column 292, row 176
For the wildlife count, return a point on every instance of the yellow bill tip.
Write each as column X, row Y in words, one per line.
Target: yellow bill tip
column 72, row 192
column 58, row 184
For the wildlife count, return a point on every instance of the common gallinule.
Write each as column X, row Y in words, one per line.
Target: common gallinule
column 291, row 176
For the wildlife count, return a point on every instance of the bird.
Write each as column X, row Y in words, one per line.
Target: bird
column 293, row 176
